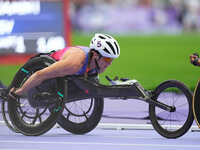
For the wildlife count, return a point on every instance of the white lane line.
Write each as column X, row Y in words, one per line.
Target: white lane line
column 125, row 126
column 101, row 143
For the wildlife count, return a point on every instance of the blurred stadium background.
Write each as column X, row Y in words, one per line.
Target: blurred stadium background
column 156, row 36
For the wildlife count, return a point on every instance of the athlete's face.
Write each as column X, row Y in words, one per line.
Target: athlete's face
column 104, row 62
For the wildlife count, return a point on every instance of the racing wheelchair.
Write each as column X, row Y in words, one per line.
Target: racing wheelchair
column 76, row 102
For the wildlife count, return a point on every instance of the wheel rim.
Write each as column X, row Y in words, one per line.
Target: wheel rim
column 172, row 121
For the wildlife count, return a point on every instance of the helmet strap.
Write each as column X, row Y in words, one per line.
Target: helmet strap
column 97, row 68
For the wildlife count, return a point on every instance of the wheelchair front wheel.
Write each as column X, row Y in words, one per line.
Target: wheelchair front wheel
column 172, row 124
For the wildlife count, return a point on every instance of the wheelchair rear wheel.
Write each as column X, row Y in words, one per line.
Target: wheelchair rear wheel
column 25, row 118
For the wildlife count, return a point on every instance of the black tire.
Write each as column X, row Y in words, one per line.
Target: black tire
column 26, row 119
column 6, row 118
column 82, row 116
column 172, row 124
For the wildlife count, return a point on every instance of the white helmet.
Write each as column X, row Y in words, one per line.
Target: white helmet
column 106, row 45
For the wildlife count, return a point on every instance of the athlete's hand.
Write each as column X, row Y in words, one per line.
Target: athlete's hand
column 12, row 93
column 194, row 59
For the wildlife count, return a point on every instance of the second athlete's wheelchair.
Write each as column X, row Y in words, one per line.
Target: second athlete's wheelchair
column 196, row 99
column 76, row 103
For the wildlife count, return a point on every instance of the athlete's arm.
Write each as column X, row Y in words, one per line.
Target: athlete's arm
column 70, row 63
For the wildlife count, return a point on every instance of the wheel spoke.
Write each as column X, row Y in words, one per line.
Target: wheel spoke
column 36, row 116
column 23, row 114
